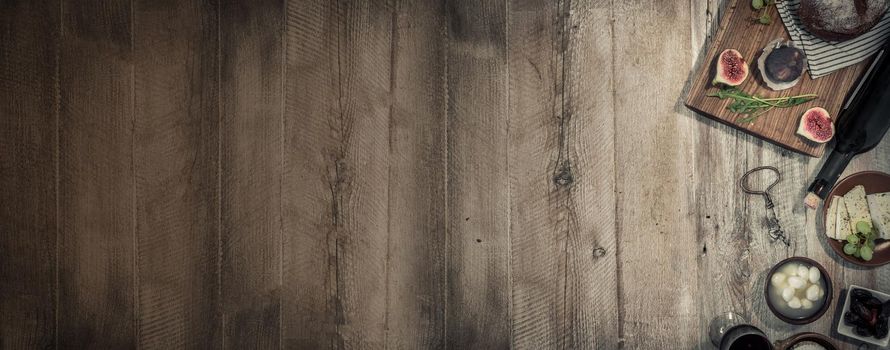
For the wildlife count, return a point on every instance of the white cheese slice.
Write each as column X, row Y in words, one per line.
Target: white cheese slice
column 831, row 218
column 857, row 206
column 879, row 208
column 842, row 228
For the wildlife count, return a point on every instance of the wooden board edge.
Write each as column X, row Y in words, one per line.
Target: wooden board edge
column 817, row 152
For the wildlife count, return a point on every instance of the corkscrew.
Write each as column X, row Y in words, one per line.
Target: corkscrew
column 774, row 228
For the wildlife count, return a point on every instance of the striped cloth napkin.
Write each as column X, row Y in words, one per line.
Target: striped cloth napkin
column 825, row 57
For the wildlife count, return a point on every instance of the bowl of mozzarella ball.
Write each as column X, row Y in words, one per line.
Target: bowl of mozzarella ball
column 798, row 290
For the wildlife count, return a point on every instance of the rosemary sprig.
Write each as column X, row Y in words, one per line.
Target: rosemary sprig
column 753, row 106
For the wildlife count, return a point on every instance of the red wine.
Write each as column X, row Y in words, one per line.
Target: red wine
column 860, row 127
column 750, row 342
column 745, row 337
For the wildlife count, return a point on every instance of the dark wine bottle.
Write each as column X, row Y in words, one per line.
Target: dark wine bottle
column 861, row 125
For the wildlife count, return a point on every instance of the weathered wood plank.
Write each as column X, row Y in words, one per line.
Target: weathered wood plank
column 478, row 184
column 538, row 229
column 177, row 174
column 723, row 218
column 654, row 178
column 29, row 40
column 416, row 297
column 96, row 179
column 251, row 112
column 336, row 166
column 562, row 176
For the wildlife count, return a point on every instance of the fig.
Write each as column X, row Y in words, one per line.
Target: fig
column 815, row 125
column 732, row 69
column 873, row 303
column 862, row 331
column 860, row 294
column 885, row 310
column 881, row 328
column 852, row 319
column 781, row 65
column 863, row 312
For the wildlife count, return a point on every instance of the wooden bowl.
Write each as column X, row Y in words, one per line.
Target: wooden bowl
column 828, row 291
column 806, row 336
column 874, row 182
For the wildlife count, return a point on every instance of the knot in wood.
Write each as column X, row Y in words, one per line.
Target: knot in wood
column 564, row 177
column 599, row 252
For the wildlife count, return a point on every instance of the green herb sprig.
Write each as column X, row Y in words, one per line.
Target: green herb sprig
column 754, row 106
column 861, row 244
column 763, row 7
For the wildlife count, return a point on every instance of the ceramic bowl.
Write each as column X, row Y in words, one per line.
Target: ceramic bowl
column 818, row 313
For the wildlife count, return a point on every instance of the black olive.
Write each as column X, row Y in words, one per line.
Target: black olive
column 881, row 328
column 860, row 294
column 852, row 319
column 862, row 331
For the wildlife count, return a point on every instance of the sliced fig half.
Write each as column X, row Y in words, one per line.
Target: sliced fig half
column 732, row 69
column 815, row 125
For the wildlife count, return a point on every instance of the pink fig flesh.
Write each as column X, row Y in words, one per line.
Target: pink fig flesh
column 732, row 69
column 815, row 125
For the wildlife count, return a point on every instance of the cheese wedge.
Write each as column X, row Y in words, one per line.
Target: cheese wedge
column 831, row 218
column 879, row 208
column 842, row 227
column 857, row 206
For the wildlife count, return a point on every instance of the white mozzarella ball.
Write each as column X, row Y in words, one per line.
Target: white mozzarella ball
column 813, row 292
column 794, row 303
column 806, row 304
column 790, row 269
column 796, row 282
column 803, row 271
column 821, row 293
column 778, row 279
column 788, row 294
column 814, row 275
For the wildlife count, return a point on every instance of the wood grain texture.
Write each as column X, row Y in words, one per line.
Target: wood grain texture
column 478, row 313
column 723, row 221
column 562, row 179
column 29, row 50
column 727, row 221
column 654, row 163
column 416, row 269
column 251, row 112
column 177, row 174
column 780, row 125
column 336, row 173
column 96, row 192
column 404, row 174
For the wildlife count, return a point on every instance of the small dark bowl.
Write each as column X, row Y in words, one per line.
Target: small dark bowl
column 828, row 291
column 806, row 336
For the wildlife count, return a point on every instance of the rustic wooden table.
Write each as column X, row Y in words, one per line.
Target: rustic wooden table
column 310, row 174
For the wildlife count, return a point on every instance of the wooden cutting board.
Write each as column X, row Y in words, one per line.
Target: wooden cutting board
column 739, row 31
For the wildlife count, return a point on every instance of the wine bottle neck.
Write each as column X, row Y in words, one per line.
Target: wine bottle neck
column 834, row 166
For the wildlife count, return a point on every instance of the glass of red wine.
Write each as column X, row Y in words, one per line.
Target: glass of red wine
column 730, row 331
